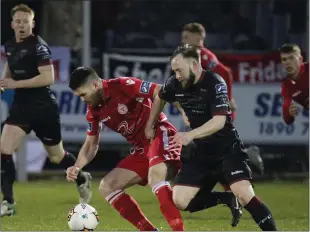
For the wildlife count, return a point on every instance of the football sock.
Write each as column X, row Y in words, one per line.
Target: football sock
column 129, row 209
column 206, row 199
column 68, row 161
column 7, row 177
column 261, row 214
column 163, row 192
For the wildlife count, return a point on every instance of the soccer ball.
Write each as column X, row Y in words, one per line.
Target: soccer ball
column 83, row 217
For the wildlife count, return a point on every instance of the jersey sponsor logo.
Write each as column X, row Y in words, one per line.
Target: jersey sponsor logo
column 130, row 82
column 43, row 52
column 90, row 127
column 42, row 48
column 145, row 87
column 123, row 128
column 122, row 109
column 220, row 88
column 212, row 64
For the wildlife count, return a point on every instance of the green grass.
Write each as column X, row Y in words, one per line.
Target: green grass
column 44, row 206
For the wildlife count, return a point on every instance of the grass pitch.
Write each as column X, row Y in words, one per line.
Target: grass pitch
column 43, row 206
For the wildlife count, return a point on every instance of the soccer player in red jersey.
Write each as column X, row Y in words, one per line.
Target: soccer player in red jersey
column 123, row 105
column 295, row 87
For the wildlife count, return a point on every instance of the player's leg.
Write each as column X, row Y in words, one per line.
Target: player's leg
column 45, row 123
column 15, row 128
column 10, row 140
column 164, row 161
column 58, row 155
column 193, row 186
column 130, row 171
column 238, row 174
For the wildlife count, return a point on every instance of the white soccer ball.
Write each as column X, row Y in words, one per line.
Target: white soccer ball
column 83, row 217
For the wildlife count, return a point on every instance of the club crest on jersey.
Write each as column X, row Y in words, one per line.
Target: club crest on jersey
column 145, row 87
column 122, row 109
column 220, row 88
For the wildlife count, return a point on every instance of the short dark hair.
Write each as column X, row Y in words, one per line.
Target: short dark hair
column 22, row 8
column 187, row 51
column 80, row 76
column 289, row 48
column 195, row 28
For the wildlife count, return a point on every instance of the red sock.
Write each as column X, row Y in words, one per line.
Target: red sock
column 130, row 210
column 226, row 187
column 167, row 207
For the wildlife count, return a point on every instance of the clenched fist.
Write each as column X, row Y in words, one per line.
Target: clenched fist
column 292, row 110
column 72, row 173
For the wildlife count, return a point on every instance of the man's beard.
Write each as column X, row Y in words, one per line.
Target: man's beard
column 97, row 98
column 190, row 80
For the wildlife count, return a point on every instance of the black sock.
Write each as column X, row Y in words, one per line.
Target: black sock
column 7, row 177
column 206, row 199
column 261, row 214
column 68, row 161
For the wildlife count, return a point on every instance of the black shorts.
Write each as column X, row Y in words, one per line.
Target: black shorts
column 204, row 172
column 42, row 118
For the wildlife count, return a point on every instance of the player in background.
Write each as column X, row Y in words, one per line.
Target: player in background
column 295, row 88
column 29, row 70
column 195, row 34
column 123, row 105
column 219, row 152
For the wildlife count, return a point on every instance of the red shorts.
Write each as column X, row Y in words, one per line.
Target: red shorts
column 146, row 154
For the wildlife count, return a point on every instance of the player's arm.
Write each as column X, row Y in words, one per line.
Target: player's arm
column 45, row 78
column 91, row 144
column 88, row 151
column 220, row 111
column 6, row 73
column 157, row 107
column 45, row 68
column 287, row 105
column 164, row 95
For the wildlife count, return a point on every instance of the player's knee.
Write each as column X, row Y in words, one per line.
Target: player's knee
column 6, row 149
column 179, row 202
column 56, row 159
column 180, row 199
column 7, row 146
column 157, row 173
column 107, row 186
column 243, row 191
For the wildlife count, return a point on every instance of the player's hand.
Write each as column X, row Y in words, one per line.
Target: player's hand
column 8, row 83
column 292, row 110
column 72, row 173
column 149, row 133
column 181, row 138
column 185, row 119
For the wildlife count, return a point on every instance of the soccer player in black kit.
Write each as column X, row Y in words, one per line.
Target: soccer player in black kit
column 29, row 70
column 219, row 151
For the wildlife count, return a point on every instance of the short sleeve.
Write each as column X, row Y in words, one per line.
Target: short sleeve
column 94, row 125
column 220, row 102
column 43, row 55
column 167, row 91
column 137, row 88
